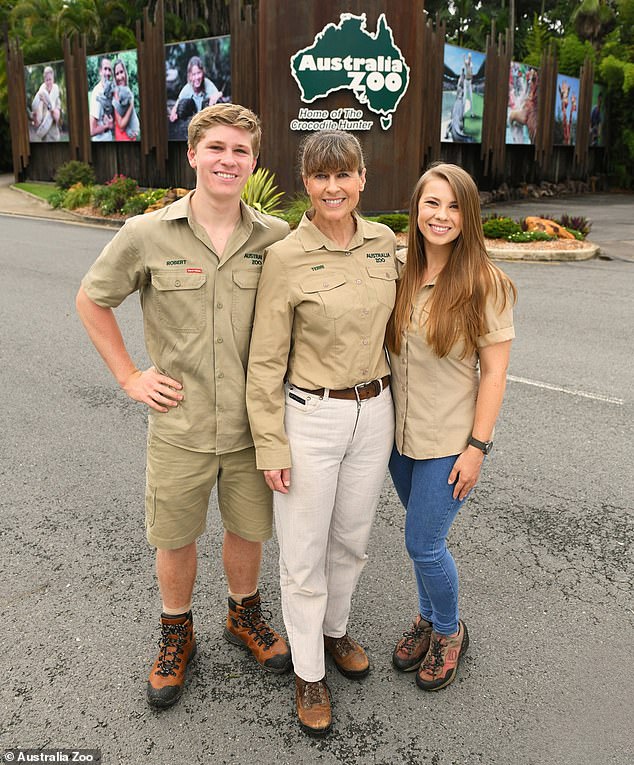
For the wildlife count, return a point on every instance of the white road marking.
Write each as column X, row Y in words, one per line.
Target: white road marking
column 584, row 394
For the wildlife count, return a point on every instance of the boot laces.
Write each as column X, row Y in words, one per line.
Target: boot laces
column 435, row 659
column 343, row 645
column 171, row 645
column 315, row 693
column 413, row 636
column 253, row 619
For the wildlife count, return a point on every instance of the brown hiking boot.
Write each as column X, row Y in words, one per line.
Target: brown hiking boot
column 177, row 647
column 413, row 646
column 313, row 706
column 246, row 627
column 440, row 665
column 351, row 660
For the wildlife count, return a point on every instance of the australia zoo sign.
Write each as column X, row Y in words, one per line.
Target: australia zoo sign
column 346, row 56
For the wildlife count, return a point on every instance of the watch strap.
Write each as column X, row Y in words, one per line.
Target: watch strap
column 484, row 446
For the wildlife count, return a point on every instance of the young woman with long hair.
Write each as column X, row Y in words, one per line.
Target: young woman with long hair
column 449, row 340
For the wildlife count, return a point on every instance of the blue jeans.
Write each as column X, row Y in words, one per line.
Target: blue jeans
column 430, row 510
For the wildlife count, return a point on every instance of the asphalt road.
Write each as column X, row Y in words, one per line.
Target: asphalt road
column 544, row 549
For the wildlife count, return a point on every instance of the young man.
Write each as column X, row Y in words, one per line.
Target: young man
column 196, row 265
column 101, row 118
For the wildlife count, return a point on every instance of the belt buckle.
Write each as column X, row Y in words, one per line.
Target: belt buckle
column 378, row 387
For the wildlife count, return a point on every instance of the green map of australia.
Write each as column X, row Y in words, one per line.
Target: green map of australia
column 347, row 56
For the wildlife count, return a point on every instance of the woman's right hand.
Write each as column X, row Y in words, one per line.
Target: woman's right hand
column 278, row 480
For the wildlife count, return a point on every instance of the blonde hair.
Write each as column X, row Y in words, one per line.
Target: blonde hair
column 456, row 307
column 329, row 151
column 233, row 115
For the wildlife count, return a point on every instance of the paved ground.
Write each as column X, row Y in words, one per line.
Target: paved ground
column 544, row 548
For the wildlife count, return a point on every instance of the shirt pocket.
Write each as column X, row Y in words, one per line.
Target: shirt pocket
column 180, row 299
column 245, row 285
column 329, row 292
column 383, row 279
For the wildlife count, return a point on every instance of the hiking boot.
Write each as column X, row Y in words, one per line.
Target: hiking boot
column 313, row 706
column 440, row 665
column 350, row 658
column 413, row 646
column 177, row 647
column 246, row 627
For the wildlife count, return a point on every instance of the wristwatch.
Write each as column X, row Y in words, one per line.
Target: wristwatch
column 484, row 446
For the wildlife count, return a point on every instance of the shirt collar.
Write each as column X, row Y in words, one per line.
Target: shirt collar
column 181, row 208
column 312, row 238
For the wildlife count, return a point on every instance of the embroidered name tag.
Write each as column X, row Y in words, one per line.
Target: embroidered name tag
column 254, row 257
column 378, row 257
column 317, row 268
column 194, row 270
column 175, row 262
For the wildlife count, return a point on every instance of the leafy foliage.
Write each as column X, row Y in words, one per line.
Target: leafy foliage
column 78, row 195
column 261, row 192
column 500, row 228
column 73, row 172
column 396, row 221
column 294, row 210
column 529, row 236
column 111, row 197
column 138, row 204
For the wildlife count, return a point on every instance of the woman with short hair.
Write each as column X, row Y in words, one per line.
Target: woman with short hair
column 320, row 408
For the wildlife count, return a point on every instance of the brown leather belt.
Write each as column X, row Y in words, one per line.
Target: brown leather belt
column 359, row 392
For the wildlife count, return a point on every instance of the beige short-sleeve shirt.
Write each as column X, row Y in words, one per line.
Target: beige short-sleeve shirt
column 197, row 314
column 320, row 322
column 435, row 398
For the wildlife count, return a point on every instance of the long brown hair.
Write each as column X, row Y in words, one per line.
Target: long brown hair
column 456, row 307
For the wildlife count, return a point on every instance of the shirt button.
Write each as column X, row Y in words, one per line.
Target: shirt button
column 218, row 305
column 221, row 375
column 357, row 281
column 365, row 341
column 365, row 312
column 326, row 284
column 177, row 283
column 218, row 339
column 347, row 254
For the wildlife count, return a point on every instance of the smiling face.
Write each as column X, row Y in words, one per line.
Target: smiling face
column 196, row 77
column 223, row 160
column 334, row 195
column 120, row 76
column 49, row 80
column 106, row 69
column 439, row 217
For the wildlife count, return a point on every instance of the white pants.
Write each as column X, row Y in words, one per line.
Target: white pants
column 339, row 452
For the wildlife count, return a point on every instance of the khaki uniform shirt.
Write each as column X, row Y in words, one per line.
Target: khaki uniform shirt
column 320, row 322
column 435, row 398
column 197, row 313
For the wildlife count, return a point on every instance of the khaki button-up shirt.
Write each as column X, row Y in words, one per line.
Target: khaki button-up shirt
column 197, row 313
column 435, row 398
column 320, row 322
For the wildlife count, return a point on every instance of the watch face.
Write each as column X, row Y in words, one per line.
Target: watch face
column 488, row 445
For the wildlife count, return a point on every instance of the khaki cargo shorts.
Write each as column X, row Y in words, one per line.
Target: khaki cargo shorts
column 178, row 487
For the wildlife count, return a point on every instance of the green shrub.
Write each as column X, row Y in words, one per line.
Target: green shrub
column 57, row 198
column 73, row 172
column 138, row 204
column 500, row 228
column 78, row 195
column 111, row 197
column 294, row 210
column 530, row 236
column 260, row 192
column 396, row 221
